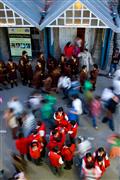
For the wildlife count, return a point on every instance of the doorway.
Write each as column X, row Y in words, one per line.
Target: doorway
column 81, row 35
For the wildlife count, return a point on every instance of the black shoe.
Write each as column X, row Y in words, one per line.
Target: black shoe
column 65, row 97
column 16, row 84
column 67, row 168
column 11, row 85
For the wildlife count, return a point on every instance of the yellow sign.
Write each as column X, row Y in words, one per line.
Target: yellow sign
column 19, row 30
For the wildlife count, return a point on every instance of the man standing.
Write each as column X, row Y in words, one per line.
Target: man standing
column 12, row 72
column 86, row 59
column 24, row 57
column 115, row 61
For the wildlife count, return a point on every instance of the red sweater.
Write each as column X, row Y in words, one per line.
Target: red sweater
column 22, row 145
column 54, row 159
column 68, row 152
column 74, row 130
column 69, row 51
column 35, row 152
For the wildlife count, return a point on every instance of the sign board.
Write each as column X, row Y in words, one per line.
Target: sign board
column 20, row 40
column 19, row 30
column 17, row 45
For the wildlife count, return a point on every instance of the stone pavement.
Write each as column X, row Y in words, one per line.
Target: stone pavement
column 86, row 129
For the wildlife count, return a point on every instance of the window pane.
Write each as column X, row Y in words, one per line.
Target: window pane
column 69, row 13
column 84, row 7
column 53, row 23
column 16, row 15
column 11, row 21
column 93, row 15
column 77, row 13
column 85, row 21
column 1, row 6
column 2, row 14
column 101, row 23
column 62, row 15
column 26, row 23
column 3, row 21
column 6, row 7
column 60, row 21
column 77, row 21
column 86, row 13
column 68, row 21
column 94, row 22
column 18, row 22
column 9, row 14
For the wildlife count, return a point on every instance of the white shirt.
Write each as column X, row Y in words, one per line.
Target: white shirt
column 107, row 94
column 83, row 148
column 77, row 105
column 61, row 161
column 64, row 82
column 35, row 101
column 116, row 86
column 16, row 106
column 86, row 59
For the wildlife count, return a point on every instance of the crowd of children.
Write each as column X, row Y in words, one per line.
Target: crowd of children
column 46, row 73
column 31, row 134
column 56, row 142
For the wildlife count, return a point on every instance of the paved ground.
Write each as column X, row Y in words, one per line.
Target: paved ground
column 43, row 172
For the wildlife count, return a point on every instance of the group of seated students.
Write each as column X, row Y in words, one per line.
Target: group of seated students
column 60, row 147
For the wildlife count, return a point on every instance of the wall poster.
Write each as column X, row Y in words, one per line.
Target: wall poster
column 20, row 40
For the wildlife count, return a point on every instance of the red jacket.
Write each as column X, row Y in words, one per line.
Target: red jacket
column 101, row 167
column 105, row 157
column 35, row 152
column 54, row 159
column 68, row 152
column 36, row 137
column 42, row 128
column 69, row 51
column 87, row 165
column 53, row 142
column 51, row 145
column 73, row 131
column 61, row 119
column 22, row 145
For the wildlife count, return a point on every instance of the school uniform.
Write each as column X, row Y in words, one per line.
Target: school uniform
column 68, row 154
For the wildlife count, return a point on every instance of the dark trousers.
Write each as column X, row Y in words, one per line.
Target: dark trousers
column 72, row 140
column 68, row 164
column 37, row 161
column 56, row 170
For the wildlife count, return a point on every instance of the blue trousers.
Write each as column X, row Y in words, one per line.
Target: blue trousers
column 94, row 121
column 113, row 67
column 111, row 124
